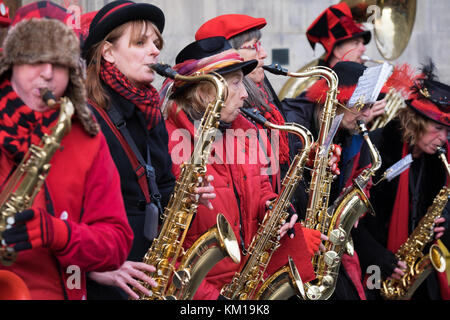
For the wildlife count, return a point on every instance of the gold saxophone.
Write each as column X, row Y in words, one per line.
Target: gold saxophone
column 394, row 102
column 419, row 266
column 181, row 282
column 336, row 223
column 342, row 214
column 245, row 282
column 27, row 180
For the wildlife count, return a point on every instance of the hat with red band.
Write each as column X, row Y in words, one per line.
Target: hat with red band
column 228, row 26
column 431, row 98
column 333, row 26
column 115, row 14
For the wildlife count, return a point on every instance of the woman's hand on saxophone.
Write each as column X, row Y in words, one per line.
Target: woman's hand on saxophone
column 205, row 193
column 129, row 274
column 334, row 157
column 439, row 230
column 399, row 271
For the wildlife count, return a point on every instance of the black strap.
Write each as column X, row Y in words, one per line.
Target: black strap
column 120, row 124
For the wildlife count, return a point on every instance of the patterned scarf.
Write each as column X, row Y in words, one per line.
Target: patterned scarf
column 21, row 126
column 276, row 117
column 145, row 98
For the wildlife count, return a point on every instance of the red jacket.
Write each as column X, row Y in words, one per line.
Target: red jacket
column 84, row 188
column 252, row 188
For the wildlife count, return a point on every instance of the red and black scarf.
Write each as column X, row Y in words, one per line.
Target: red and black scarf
column 21, row 126
column 145, row 98
column 276, row 117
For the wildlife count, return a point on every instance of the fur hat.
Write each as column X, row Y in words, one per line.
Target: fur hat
column 36, row 40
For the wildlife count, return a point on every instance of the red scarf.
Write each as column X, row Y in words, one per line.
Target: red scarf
column 21, row 126
column 398, row 226
column 145, row 98
column 276, row 117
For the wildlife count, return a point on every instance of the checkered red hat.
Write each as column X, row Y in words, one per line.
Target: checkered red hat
column 228, row 26
column 41, row 9
column 334, row 25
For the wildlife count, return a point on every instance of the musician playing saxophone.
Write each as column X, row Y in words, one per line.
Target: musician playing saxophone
column 307, row 112
column 402, row 201
column 77, row 222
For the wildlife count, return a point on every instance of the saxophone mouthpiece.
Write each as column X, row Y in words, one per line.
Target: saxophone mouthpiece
column 47, row 96
column 361, row 126
column 254, row 114
column 275, row 68
column 164, row 70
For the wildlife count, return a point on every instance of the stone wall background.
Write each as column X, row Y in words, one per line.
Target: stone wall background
column 287, row 21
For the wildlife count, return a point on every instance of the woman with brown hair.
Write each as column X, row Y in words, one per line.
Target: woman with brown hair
column 124, row 39
column 402, row 201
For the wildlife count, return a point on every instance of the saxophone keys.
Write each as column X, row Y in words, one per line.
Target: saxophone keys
column 331, row 258
column 338, row 236
column 181, row 278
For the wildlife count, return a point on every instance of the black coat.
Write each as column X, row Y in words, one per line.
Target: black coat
column 157, row 141
column 370, row 238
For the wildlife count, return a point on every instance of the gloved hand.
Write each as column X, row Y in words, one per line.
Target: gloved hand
column 313, row 240
column 36, row 228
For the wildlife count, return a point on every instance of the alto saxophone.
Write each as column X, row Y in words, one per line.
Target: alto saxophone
column 245, row 282
column 28, row 178
column 419, row 266
column 344, row 212
column 181, row 282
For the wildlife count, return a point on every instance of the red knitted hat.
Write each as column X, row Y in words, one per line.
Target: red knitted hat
column 334, row 25
column 228, row 25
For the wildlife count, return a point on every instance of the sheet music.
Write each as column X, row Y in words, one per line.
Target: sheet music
column 398, row 167
column 370, row 84
column 333, row 129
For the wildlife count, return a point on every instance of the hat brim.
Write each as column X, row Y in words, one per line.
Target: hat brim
column 246, row 67
column 427, row 116
column 133, row 12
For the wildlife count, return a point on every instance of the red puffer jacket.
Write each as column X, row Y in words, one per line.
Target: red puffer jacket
column 252, row 188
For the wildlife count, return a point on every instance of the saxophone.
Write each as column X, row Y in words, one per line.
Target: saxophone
column 419, row 266
column 344, row 212
column 24, row 185
column 28, row 178
column 342, row 215
column 246, row 281
column 218, row 242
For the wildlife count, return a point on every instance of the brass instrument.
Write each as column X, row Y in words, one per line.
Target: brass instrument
column 394, row 102
column 28, row 178
column 181, row 282
column 343, row 214
column 419, row 266
column 393, row 26
column 317, row 215
column 336, row 223
column 246, row 281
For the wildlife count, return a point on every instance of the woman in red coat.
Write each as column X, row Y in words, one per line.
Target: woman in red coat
column 243, row 192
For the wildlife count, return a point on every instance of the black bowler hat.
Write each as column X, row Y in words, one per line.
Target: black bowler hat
column 117, row 13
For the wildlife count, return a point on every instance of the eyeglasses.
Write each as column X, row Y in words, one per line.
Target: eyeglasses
column 256, row 46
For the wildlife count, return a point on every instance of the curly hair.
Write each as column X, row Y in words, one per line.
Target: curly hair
column 413, row 125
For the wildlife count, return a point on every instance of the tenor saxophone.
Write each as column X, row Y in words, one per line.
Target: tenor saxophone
column 344, row 212
column 246, row 281
column 180, row 282
column 419, row 266
column 28, row 178
column 341, row 217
